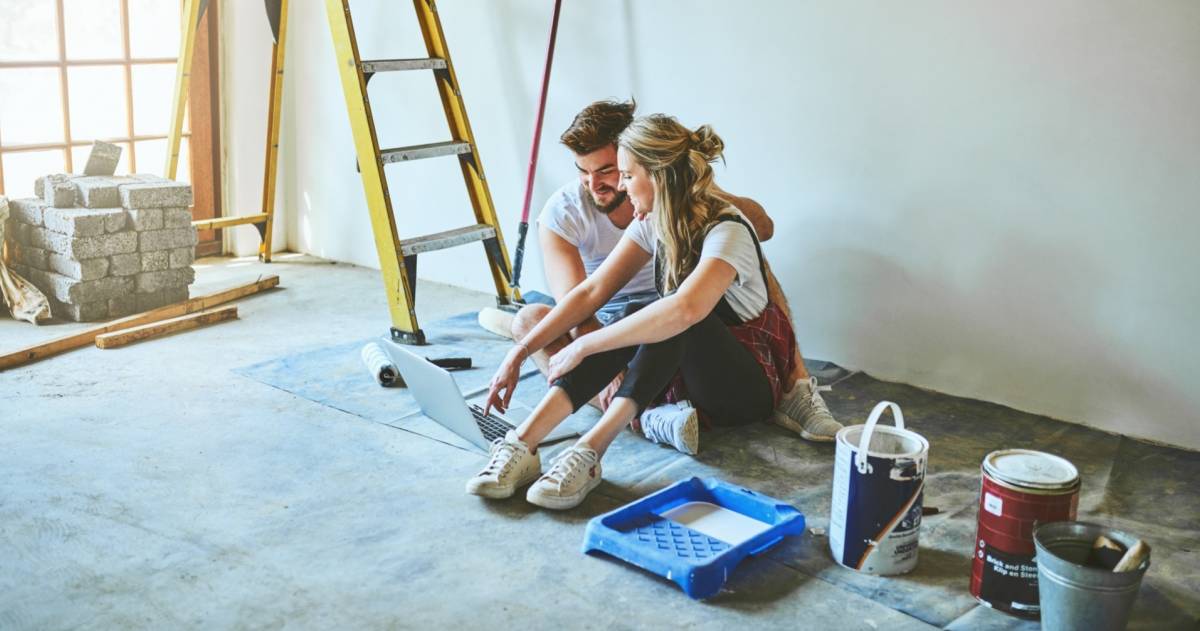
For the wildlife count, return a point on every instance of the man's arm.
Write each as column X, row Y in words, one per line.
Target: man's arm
column 754, row 212
column 561, row 263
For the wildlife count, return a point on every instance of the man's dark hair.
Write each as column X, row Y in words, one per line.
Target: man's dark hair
column 598, row 125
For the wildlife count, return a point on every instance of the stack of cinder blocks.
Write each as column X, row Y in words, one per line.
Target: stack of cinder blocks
column 103, row 246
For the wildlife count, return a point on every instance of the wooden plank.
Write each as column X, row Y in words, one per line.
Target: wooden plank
column 164, row 327
column 88, row 336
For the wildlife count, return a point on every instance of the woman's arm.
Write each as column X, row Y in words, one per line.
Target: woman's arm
column 626, row 260
column 617, row 270
column 662, row 319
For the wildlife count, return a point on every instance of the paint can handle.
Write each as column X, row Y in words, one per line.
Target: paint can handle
column 860, row 455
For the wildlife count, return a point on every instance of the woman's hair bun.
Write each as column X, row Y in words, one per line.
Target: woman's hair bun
column 707, row 142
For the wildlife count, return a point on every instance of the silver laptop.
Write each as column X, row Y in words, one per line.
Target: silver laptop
column 440, row 399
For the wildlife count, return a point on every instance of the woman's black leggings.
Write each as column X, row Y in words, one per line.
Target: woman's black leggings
column 722, row 377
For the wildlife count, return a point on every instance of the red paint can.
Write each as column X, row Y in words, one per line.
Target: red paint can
column 1021, row 489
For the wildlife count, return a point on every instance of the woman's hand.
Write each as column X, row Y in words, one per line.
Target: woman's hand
column 504, row 382
column 567, row 359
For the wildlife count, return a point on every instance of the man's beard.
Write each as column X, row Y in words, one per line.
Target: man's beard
column 618, row 199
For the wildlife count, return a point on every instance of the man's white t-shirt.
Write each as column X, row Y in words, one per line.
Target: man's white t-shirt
column 572, row 214
column 731, row 242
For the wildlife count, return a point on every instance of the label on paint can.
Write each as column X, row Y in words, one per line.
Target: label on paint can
column 993, row 504
column 1009, row 580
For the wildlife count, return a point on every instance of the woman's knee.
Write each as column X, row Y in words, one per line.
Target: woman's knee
column 527, row 318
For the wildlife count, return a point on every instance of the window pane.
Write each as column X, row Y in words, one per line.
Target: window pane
column 27, row 31
column 153, row 28
column 153, row 93
column 93, row 29
column 30, row 106
column 97, row 102
column 151, row 156
column 79, row 156
column 22, row 168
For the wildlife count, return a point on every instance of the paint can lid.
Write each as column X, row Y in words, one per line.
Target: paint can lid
column 1028, row 468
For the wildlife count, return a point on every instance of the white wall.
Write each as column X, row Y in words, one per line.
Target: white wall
column 994, row 200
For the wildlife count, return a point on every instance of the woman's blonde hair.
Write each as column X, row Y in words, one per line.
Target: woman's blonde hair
column 685, row 201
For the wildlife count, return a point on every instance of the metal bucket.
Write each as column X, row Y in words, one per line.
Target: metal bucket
column 878, row 485
column 1075, row 596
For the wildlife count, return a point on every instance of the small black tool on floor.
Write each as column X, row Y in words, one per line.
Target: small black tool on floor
column 451, row 363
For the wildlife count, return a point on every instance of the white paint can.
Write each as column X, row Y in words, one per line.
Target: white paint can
column 878, row 485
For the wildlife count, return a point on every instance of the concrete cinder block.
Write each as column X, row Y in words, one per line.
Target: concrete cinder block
column 33, row 257
column 146, row 218
column 116, row 221
column 103, row 159
column 122, row 306
column 60, row 195
column 87, row 269
column 154, row 194
column 168, row 296
column 39, row 237
column 107, row 245
column 82, row 222
column 44, row 186
column 150, row 282
column 177, row 217
column 155, row 261
column 125, row 264
column 182, row 257
column 17, row 231
column 28, row 211
column 89, row 312
column 152, row 240
column 79, row 292
column 97, row 192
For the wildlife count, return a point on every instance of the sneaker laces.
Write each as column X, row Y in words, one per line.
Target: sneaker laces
column 814, row 393
column 502, row 451
column 656, row 424
column 566, row 464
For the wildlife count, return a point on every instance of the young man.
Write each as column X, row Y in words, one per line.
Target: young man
column 578, row 228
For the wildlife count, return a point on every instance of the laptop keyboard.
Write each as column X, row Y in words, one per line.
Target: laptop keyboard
column 491, row 426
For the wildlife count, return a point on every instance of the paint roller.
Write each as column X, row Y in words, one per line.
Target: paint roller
column 384, row 372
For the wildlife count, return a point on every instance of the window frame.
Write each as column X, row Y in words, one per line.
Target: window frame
column 126, row 62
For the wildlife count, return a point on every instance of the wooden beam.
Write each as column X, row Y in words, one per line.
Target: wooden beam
column 88, row 336
column 164, row 327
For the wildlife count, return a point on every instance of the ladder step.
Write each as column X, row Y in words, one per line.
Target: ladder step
column 420, row 152
column 393, row 65
column 225, row 222
column 447, row 239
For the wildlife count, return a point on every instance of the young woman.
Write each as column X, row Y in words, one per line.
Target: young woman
column 714, row 337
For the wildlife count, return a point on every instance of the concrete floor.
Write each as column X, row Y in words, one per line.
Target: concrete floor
column 151, row 487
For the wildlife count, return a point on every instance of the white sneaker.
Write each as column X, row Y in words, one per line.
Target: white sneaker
column 575, row 472
column 804, row 411
column 511, row 466
column 675, row 424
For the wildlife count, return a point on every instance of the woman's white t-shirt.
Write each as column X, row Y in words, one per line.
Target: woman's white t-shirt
column 731, row 242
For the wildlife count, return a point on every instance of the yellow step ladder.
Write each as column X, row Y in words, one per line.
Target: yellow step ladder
column 398, row 258
column 263, row 221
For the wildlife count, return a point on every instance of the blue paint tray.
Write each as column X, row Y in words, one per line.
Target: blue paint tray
column 694, row 532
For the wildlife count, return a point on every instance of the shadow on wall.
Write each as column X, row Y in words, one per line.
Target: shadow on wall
column 959, row 324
